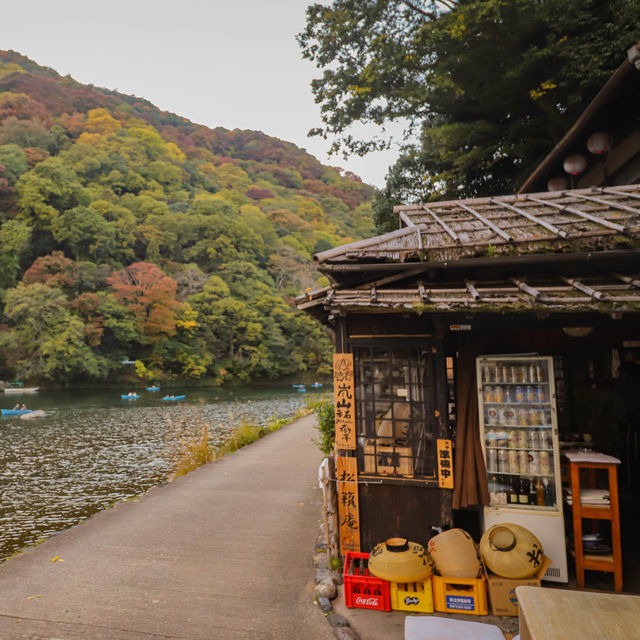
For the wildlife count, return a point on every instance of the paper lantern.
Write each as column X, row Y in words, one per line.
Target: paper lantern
column 575, row 164
column 455, row 554
column 399, row 560
column 559, row 183
column 599, row 143
column 511, row 551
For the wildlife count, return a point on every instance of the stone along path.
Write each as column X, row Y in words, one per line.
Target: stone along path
column 222, row 553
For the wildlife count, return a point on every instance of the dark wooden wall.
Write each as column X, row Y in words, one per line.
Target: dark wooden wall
column 388, row 511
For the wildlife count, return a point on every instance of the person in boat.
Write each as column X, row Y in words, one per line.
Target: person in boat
column 23, row 407
column 131, row 393
column 17, row 407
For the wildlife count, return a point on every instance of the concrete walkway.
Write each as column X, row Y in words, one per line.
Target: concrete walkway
column 222, row 553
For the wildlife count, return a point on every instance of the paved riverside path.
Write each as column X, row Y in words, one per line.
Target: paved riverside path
column 224, row 552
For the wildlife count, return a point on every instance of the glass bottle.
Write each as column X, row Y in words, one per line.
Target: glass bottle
column 523, row 491
column 548, row 494
column 533, row 497
column 539, row 493
column 513, row 490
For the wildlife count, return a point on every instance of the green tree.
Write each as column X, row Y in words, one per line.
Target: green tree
column 48, row 189
column 14, row 160
column 15, row 237
column 487, row 85
column 85, row 232
column 47, row 341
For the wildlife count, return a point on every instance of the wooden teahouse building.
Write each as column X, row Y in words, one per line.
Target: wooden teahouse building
column 550, row 272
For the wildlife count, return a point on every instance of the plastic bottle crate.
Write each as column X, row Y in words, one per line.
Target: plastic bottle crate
column 412, row 596
column 364, row 591
column 460, row 595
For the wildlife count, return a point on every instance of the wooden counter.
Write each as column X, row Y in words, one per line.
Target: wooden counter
column 560, row 614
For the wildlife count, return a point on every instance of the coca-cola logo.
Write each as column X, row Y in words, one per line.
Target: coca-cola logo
column 367, row 602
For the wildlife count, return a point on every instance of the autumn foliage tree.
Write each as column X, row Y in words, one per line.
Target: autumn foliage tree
column 151, row 296
column 127, row 233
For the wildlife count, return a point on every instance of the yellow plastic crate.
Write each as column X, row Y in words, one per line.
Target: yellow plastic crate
column 412, row 596
column 460, row 595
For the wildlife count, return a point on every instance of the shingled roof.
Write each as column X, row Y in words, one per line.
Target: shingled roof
column 595, row 219
column 569, row 251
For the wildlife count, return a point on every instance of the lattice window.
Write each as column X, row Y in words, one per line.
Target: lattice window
column 395, row 411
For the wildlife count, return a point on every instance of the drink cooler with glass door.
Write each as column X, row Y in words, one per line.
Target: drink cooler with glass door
column 519, row 435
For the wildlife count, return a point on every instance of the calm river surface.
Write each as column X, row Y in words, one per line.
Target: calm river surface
column 93, row 449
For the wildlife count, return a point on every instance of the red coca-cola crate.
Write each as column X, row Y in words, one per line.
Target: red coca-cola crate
column 361, row 589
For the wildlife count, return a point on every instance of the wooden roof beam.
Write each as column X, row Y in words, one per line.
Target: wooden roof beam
column 627, row 280
column 406, row 219
column 617, row 192
column 577, row 212
column 472, row 290
column 606, row 203
column 523, row 286
column 528, row 216
column 596, row 295
column 424, row 297
column 485, row 221
column 444, row 225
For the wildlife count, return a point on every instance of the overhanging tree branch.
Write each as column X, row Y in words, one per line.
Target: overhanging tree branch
column 411, row 5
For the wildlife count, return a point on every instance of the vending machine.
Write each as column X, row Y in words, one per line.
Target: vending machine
column 519, row 435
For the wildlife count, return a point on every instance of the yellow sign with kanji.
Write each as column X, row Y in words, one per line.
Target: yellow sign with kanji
column 344, row 400
column 445, row 464
column 348, row 506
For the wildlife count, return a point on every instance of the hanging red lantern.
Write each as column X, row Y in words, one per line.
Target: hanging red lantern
column 599, row 143
column 559, row 183
column 575, row 164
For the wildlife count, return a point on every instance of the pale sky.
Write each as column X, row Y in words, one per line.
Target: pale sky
column 228, row 63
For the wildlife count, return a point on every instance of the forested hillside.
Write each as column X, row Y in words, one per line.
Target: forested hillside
column 129, row 233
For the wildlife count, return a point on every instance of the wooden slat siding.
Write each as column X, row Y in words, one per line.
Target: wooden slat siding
column 523, row 286
column 576, row 284
column 472, row 290
column 608, row 203
column 627, row 280
column 446, row 227
column 542, row 223
column 493, row 227
column 578, row 212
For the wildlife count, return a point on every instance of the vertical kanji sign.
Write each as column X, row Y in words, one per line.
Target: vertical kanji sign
column 344, row 398
column 445, row 464
column 348, row 508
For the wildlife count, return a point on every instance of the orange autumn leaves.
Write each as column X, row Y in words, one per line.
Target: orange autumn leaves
column 151, row 296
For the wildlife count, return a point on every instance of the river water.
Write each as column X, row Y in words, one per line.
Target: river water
column 93, row 449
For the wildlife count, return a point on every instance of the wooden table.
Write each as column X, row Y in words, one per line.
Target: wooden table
column 561, row 614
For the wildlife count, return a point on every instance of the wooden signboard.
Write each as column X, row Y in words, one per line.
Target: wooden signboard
column 348, row 507
column 344, row 399
column 445, row 464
